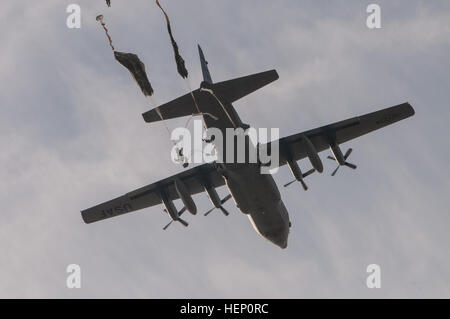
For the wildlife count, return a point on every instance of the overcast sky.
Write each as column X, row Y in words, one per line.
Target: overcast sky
column 72, row 136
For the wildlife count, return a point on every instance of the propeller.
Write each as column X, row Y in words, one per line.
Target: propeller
column 224, row 211
column 352, row 166
column 305, row 187
column 182, row 221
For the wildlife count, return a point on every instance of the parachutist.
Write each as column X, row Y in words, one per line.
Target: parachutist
column 182, row 158
column 210, row 140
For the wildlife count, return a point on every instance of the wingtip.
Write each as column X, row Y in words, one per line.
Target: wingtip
column 277, row 76
column 411, row 110
column 84, row 217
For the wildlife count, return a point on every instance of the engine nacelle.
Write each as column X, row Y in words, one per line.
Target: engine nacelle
column 214, row 197
column 170, row 208
column 313, row 156
column 185, row 196
column 295, row 169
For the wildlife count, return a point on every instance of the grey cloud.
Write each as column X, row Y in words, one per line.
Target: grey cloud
column 72, row 136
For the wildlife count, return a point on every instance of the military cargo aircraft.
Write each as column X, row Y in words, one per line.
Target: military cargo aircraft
column 255, row 194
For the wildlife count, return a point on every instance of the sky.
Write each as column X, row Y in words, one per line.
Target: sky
column 72, row 136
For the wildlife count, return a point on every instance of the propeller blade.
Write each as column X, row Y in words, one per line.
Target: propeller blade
column 183, row 222
column 309, row 173
column 352, row 166
column 224, row 211
column 348, row 153
column 167, row 226
column 182, row 211
column 223, row 201
column 209, row 211
column 336, row 170
column 305, row 187
column 179, row 214
column 331, row 158
column 290, row 183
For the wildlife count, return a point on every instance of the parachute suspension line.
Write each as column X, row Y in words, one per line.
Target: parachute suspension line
column 180, row 63
column 215, row 118
column 135, row 66
column 158, row 111
column 223, row 106
column 179, row 150
column 199, row 112
column 188, row 121
column 100, row 19
column 192, row 94
column 137, row 69
column 183, row 72
column 188, row 83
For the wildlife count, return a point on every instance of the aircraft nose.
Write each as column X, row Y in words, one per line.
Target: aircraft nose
column 281, row 240
column 283, row 245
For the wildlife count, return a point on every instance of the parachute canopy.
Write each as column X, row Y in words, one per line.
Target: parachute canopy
column 137, row 69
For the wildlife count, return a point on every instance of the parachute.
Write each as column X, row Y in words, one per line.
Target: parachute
column 132, row 62
column 181, row 67
column 137, row 69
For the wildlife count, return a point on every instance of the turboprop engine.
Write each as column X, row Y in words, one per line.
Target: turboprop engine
column 340, row 158
column 295, row 168
column 172, row 211
column 216, row 201
column 185, row 196
column 299, row 176
column 313, row 156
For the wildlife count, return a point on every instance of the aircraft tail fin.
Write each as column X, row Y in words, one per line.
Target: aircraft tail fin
column 204, row 63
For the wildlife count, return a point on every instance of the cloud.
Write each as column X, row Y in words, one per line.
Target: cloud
column 72, row 136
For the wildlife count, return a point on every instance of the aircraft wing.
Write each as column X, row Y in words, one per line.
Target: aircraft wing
column 229, row 91
column 342, row 132
column 195, row 180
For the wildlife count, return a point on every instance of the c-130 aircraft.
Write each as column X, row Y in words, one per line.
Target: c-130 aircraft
column 255, row 194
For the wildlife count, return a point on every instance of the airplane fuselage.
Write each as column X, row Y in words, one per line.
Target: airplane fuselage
column 257, row 196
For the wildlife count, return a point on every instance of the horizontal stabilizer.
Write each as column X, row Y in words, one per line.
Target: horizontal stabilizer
column 227, row 91
column 236, row 89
